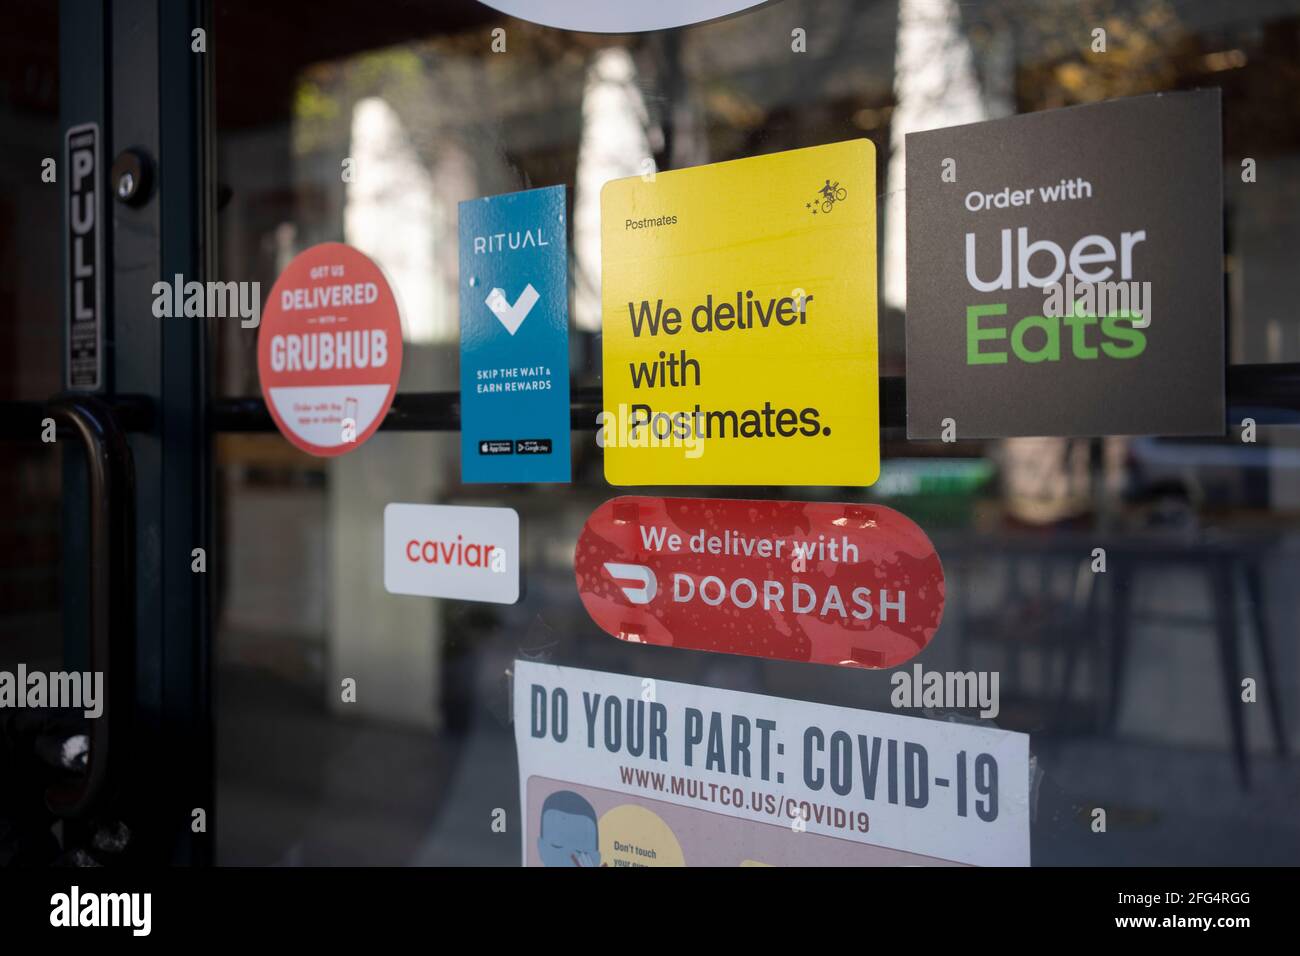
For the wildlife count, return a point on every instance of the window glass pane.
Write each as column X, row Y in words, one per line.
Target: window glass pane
column 371, row 131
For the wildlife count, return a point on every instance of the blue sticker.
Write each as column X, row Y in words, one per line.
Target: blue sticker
column 514, row 338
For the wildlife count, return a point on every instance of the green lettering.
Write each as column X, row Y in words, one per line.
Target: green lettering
column 1120, row 327
column 975, row 335
column 1051, row 350
column 1079, row 325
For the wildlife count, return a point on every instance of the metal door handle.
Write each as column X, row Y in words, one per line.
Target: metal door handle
column 111, row 471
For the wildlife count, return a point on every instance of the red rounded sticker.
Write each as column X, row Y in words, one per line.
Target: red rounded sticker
column 329, row 351
column 848, row 584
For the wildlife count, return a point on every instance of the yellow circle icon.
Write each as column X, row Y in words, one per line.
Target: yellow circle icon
column 634, row 836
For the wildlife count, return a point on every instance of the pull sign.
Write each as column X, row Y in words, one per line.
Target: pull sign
column 848, row 584
column 85, row 274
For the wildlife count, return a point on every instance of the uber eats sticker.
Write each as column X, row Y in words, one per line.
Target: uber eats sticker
column 1070, row 280
column 739, row 322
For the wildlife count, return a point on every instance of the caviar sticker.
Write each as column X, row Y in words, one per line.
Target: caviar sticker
column 449, row 551
column 329, row 351
column 848, row 584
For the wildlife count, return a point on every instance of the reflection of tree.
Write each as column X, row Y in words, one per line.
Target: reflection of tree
column 451, row 90
column 1143, row 42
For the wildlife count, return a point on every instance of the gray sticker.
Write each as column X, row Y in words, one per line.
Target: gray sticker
column 1068, row 280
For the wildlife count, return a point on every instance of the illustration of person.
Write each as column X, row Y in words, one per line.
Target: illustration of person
column 569, row 833
column 828, row 191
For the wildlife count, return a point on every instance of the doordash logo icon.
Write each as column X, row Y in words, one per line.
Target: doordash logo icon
column 647, row 585
column 463, row 553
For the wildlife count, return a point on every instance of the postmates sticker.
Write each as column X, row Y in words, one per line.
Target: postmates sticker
column 738, row 325
column 855, row 585
column 329, row 351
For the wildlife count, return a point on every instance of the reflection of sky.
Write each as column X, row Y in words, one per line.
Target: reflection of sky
column 391, row 215
column 935, row 86
column 615, row 144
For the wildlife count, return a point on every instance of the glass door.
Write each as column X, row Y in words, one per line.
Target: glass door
column 372, row 126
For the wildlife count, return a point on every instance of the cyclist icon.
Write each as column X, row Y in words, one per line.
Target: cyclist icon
column 831, row 194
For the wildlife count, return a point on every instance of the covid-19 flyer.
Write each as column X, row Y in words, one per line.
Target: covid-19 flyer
column 618, row 770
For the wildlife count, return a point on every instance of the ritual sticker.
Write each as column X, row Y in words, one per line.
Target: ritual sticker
column 739, row 322
column 514, row 338
column 618, row 770
column 329, row 350
column 1065, row 272
column 849, row 584
column 452, row 551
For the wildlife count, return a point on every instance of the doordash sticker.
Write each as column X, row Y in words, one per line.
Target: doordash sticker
column 848, row 584
column 445, row 551
column 329, row 351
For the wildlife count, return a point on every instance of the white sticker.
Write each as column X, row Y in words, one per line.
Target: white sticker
column 465, row 553
column 603, row 17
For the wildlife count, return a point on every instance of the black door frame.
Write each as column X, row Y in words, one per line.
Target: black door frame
column 132, row 68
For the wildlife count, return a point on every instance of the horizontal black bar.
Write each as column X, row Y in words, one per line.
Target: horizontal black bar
column 1270, row 393
column 1273, row 386
column 24, row 421
column 1250, row 388
column 440, row 411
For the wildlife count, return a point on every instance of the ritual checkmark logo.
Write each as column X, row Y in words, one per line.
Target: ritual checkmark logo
column 512, row 316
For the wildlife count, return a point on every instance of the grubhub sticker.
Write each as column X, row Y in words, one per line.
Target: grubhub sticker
column 855, row 585
column 329, row 351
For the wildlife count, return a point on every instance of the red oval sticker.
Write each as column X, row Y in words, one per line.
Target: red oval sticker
column 849, row 584
column 329, row 352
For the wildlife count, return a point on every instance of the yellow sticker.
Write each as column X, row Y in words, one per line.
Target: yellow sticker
column 739, row 322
